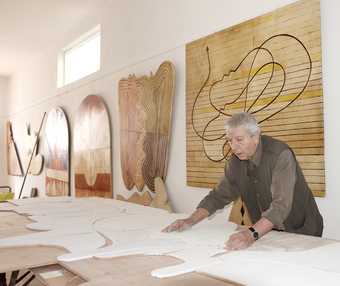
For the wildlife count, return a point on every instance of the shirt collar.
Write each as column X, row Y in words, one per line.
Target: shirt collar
column 256, row 158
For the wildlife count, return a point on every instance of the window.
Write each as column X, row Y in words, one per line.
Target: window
column 80, row 59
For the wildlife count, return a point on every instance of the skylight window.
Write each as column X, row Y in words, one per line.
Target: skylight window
column 80, row 59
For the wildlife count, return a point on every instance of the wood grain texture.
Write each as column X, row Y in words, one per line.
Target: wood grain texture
column 132, row 134
column 144, row 199
column 32, row 150
column 92, row 149
column 269, row 66
column 135, row 270
column 57, row 154
column 145, row 108
column 161, row 200
column 14, row 167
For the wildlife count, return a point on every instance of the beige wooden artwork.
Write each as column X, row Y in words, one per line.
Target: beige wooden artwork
column 269, row 66
column 32, row 146
column 160, row 199
column 145, row 108
column 14, row 167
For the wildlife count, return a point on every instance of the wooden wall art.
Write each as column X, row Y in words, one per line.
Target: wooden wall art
column 145, row 108
column 37, row 162
column 159, row 200
column 92, row 149
column 14, row 167
column 144, row 199
column 269, row 66
column 57, row 154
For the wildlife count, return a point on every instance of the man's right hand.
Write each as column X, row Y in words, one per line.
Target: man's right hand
column 179, row 225
column 183, row 224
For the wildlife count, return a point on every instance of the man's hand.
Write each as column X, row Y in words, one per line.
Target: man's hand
column 183, row 224
column 239, row 240
column 179, row 225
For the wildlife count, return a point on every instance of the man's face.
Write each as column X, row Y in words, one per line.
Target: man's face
column 242, row 144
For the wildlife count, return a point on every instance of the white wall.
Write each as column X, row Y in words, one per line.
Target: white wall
column 137, row 37
column 4, row 92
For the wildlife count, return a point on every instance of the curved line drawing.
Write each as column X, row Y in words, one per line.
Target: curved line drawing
column 224, row 111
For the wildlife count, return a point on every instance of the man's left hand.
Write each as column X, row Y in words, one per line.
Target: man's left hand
column 239, row 240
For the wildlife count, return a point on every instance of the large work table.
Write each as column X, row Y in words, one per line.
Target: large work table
column 105, row 242
column 126, row 270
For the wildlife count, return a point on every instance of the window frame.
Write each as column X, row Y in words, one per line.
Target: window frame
column 79, row 42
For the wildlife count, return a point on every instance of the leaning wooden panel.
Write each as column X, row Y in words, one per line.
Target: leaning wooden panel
column 14, row 167
column 92, row 149
column 158, row 106
column 145, row 105
column 269, row 66
column 132, row 132
column 57, row 154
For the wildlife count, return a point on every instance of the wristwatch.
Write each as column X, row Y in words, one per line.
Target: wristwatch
column 254, row 233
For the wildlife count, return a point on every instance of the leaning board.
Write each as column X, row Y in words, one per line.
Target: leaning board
column 14, row 167
column 269, row 66
column 57, row 154
column 92, row 149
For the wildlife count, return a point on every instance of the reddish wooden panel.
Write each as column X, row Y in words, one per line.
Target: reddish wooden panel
column 57, row 156
column 92, row 149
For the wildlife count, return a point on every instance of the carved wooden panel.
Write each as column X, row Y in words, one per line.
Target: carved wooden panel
column 269, row 66
column 145, row 105
column 57, row 155
column 92, row 149
column 14, row 167
column 159, row 200
column 32, row 146
column 145, row 199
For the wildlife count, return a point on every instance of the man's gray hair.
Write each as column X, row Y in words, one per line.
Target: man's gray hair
column 244, row 119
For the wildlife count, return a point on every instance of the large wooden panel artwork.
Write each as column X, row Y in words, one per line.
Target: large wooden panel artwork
column 269, row 66
column 14, row 167
column 92, row 149
column 57, row 154
column 145, row 105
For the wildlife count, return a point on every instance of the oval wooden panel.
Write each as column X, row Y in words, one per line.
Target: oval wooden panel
column 132, row 133
column 92, row 149
column 57, row 154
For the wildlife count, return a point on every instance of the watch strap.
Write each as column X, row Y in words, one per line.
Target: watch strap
column 254, row 233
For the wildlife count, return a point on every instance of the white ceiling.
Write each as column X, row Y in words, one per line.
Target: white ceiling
column 29, row 28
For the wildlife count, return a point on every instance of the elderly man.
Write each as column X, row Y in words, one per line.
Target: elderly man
column 264, row 172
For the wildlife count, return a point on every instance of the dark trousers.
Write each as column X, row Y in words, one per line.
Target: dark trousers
column 3, row 279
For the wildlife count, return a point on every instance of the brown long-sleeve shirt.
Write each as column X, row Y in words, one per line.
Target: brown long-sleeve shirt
column 282, row 189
